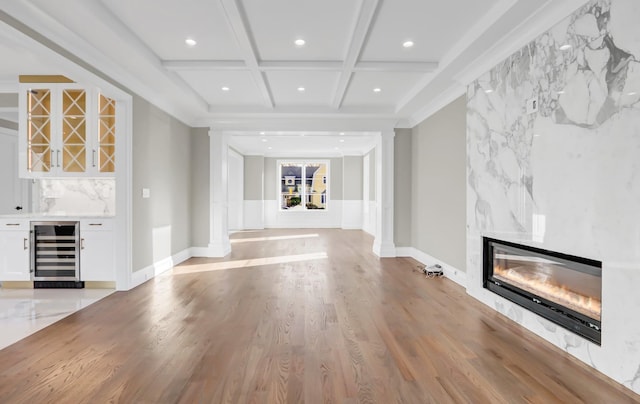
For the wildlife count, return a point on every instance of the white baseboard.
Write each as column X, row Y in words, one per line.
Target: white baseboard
column 141, row 276
column 453, row 273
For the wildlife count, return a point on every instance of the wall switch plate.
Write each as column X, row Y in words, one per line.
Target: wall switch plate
column 146, row 193
column 532, row 105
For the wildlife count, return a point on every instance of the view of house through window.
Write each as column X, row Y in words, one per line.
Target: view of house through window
column 303, row 185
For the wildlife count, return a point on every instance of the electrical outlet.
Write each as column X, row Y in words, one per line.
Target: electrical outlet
column 532, row 105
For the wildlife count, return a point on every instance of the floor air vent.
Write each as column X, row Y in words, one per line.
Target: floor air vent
column 58, row 285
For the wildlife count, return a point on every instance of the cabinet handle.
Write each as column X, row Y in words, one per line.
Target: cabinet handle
column 82, row 244
column 58, row 158
column 25, row 243
column 95, row 224
column 93, row 158
column 12, row 224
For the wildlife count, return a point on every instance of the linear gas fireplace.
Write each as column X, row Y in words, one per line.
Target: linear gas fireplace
column 564, row 289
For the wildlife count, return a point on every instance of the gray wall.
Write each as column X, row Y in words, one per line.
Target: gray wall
column 271, row 176
column 8, row 124
column 200, row 169
column 402, row 188
column 161, row 162
column 438, row 202
column 254, row 178
column 352, row 178
column 8, row 100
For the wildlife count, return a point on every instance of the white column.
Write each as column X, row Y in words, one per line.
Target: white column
column 383, row 245
column 219, row 244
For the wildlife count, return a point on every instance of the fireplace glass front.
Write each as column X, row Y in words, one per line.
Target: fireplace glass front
column 562, row 288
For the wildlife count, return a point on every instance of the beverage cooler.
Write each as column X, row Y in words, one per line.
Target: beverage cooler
column 55, row 257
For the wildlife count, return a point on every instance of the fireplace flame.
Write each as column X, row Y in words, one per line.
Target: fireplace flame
column 539, row 284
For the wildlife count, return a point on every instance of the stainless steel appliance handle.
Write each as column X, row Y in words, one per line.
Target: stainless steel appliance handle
column 82, row 244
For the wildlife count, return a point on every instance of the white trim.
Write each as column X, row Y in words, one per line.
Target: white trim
column 451, row 272
column 157, row 268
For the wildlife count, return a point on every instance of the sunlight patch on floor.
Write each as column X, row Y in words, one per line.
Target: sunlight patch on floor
column 271, row 238
column 254, row 262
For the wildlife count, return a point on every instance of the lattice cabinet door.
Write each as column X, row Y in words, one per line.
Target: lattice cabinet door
column 105, row 161
column 74, row 131
column 38, row 137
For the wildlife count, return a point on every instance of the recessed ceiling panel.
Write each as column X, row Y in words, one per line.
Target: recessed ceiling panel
column 302, row 87
column 392, row 86
column 433, row 27
column 326, row 27
column 211, row 85
column 167, row 23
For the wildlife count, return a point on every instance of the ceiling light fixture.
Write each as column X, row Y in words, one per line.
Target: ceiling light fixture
column 377, row 90
column 488, row 91
column 407, row 44
column 262, row 133
column 299, row 42
column 269, row 147
column 264, row 140
column 565, row 47
column 301, row 89
column 341, row 133
column 341, row 140
column 561, row 92
column 225, row 88
column 632, row 93
column 190, row 42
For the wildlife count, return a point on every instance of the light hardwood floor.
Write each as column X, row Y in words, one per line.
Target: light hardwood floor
column 295, row 316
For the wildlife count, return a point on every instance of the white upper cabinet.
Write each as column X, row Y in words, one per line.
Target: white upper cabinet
column 66, row 130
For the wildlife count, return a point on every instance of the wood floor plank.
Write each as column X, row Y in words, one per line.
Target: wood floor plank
column 345, row 327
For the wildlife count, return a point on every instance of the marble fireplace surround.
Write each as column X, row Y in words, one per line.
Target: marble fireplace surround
column 565, row 176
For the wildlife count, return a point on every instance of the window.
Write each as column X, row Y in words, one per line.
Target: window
column 303, row 184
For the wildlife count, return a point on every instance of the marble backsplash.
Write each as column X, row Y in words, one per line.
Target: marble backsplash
column 75, row 196
column 565, row 175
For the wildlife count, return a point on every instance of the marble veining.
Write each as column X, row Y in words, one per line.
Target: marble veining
column 76, row 196
column 565, row 175
column 25, row 311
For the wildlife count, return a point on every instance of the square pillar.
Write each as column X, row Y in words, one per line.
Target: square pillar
column 383, row 245
column 219, row 244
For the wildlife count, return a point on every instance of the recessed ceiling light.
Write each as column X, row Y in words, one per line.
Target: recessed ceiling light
column 407, row 44
column 632, row 93
column 377, row 90
column 341, row 133
column 225, row 88
column 561, row 92
column 264, row 140
column 565, row 47
column 262, row 133
column 299, row 42
column 190, row 42
column 341, row 140
column 269, row 147
column 301, row 89
column 336, row 148
column 488, row 91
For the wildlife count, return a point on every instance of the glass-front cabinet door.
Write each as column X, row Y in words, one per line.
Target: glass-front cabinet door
column 74, row 131
column 106, row 148
column 39, row 150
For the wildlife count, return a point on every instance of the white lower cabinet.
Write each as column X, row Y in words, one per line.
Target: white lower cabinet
column 97, row 261
column 14, row 250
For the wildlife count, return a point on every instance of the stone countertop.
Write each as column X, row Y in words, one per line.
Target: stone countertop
column 50, row 216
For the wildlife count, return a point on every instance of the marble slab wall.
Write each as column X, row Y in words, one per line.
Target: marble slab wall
column 564, row 174
column 75, row 196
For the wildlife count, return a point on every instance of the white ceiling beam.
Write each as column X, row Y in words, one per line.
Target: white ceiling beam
column 239, row 26
column 361, row 29
column 321, row 65
column 182, row 65
column 425, row 67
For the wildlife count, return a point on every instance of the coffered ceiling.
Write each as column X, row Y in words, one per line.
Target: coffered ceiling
column 245, row 65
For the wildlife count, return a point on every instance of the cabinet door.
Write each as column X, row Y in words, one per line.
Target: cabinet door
column 14, row 252
column 97, row 255
column 104, row 158
column 40, row 155
column 72, row 152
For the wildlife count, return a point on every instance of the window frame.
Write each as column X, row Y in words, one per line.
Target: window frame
column 304, row 194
